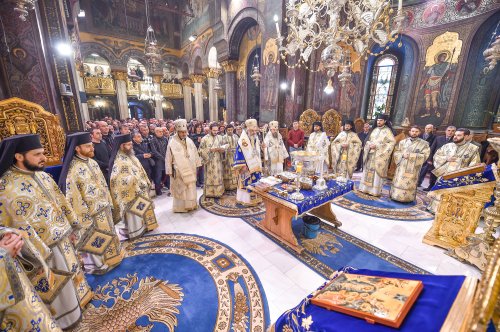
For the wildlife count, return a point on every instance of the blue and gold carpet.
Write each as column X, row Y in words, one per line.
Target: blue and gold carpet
column 333, row 249
column 385, row 208
column 226, row 206
column 177, row 282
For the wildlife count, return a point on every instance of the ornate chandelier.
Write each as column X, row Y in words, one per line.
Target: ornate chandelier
column 256, row 75
column 151, row 51
column 338, row 25
column 149, row 91
column 22, row 8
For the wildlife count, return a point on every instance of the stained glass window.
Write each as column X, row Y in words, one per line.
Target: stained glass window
column 382, row 86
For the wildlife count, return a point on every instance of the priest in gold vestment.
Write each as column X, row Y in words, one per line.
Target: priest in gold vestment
column 276, row 150
column 21, row 308
column 85, row 187
column 248, row 164
column 452, row 157
column 318, row 142
column 230, row 140
column 133, row 208
column 33, row 203
column 345, row 150
column 410, row 154
column 376, row 157
column 211, row 152
column 181, row 162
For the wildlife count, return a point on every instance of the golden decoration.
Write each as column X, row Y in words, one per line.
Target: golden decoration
column 212, row 72
column 156, row 299
column 133, row 88
column 171, row 90
column 19, row 116
column 307, row 118
column 186, row 82
column 99, row 85
column 323, row 242
column 196, row 78
column 332, row 121
column 229, row 66
column 271, row 48
column 447, row 43
column 157, row 78
column 119, row 75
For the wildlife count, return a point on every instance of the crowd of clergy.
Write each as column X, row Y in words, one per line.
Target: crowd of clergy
column 51, row 233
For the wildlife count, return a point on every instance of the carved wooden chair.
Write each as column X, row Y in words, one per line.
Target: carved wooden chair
column 307, row 118
column 19, row 116
column 332, row 121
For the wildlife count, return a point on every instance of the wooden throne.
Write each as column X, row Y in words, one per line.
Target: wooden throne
column 332, row 121
column 306, row 120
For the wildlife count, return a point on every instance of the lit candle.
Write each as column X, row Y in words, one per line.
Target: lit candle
column 400, row 6
column 276, row 19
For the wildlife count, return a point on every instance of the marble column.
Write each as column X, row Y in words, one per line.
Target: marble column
column 230, row 68
column 212, row 75
column 188, row 105
column 198, row 95
column 121, row 93
column 158, row 101
column 84, row 108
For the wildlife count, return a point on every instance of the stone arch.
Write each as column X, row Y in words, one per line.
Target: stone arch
column 88, row 48
column 243, row 21
column 212, row 57
column 133, row 53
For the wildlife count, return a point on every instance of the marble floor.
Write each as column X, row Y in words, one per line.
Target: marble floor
column 286, row 280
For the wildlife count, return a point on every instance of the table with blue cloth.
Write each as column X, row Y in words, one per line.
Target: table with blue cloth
column 280, row 209
column 442, row 306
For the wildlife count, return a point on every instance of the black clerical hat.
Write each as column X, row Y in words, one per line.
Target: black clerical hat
column 117, row 142
column 16, row 144
column 72, row 141
column 350, row 122
column 317, row 123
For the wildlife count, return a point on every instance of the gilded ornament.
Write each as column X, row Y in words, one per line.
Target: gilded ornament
column 229, row 66
column 197, row 78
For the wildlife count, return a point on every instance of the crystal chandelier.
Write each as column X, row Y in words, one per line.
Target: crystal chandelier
column 492, row 52
column 151, row 51
column 336, row 26
column 256, row 76
column 22, row 8
column 149, row 91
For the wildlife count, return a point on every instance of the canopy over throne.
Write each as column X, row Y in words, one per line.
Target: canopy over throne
column 18, row 116
column 332, row 121
column 307, row 119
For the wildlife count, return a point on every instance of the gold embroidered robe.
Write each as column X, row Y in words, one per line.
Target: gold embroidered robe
column 376, row 161
column 212, row 163
column 318, row 141
column 404, row 182
column 230, row 177
column 467, row 154
column 181, row 162
column 344, row 160
column 129, row 187
column 32, row 202
column 21, row 308
column 276, row 152
column 88, row 194
column 248, row 164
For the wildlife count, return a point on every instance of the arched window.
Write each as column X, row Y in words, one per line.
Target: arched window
column 382, row 86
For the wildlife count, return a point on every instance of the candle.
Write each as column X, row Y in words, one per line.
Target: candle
column 400, row 6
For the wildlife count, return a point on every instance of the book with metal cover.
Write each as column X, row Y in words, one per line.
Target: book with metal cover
column 381, row 300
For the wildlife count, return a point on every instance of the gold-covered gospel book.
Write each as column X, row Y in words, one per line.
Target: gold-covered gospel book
column 380, row 300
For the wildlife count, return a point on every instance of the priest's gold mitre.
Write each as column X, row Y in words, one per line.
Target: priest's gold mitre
column 251, row 124
column 180, row 125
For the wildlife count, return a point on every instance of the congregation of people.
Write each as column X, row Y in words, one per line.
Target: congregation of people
column 111, row 173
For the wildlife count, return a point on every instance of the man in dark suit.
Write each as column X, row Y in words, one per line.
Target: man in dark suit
column 362, row 137
column 429, row 137
column 438, row 143
column 102, row 152
column 143, row 152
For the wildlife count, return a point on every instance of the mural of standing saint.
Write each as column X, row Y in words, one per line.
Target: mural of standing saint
column 435, row 90
column 270, row 79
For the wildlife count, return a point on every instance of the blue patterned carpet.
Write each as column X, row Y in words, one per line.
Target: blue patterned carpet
column 333, row 249
column 385, row 208
column 226, row 206
column 177, row 282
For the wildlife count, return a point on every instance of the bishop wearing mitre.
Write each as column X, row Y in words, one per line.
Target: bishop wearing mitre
column 85, row 187
column 247, row 163
column 181, row 162
column 33, row 204
column 276, row 150
column 133, row 208
column 345, row 150
column 376, row 157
